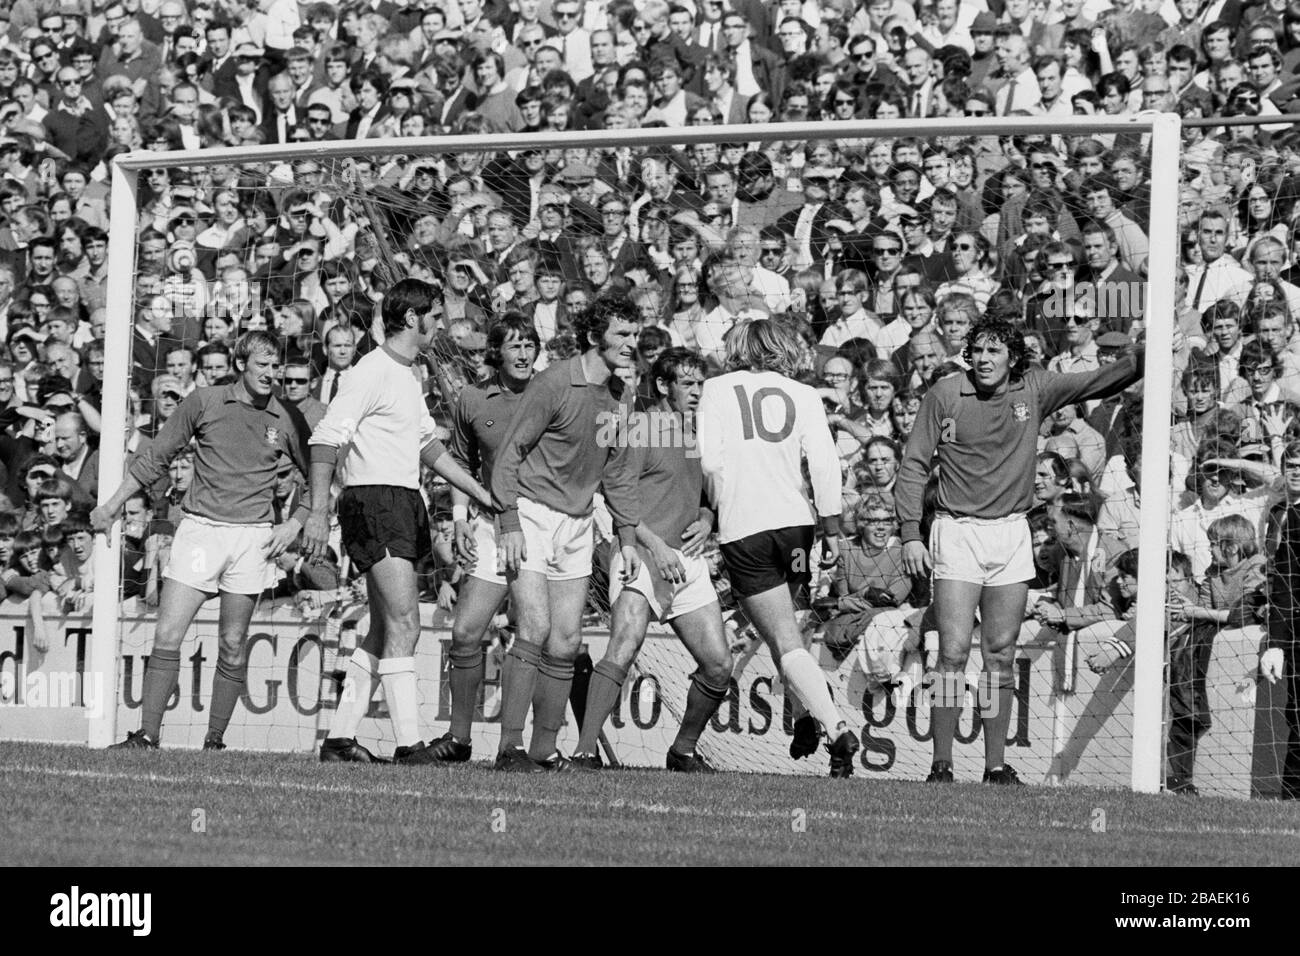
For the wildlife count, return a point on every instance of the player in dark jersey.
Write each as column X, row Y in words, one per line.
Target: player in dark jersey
column 226, row 543
column 544, row 483
column 983, row 426
column 479, row 424
column 673, row 584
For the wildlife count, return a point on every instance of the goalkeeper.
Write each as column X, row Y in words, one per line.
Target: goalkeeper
column 982, row 425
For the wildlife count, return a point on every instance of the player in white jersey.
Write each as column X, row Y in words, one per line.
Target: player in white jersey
column 757, row 426
column 380, row 429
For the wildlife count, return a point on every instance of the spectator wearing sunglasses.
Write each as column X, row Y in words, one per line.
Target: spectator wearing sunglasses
column 74, row 126
column 297, row 380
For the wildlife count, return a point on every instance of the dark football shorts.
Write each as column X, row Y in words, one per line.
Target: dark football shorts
column 768, row 559
column 379, row 520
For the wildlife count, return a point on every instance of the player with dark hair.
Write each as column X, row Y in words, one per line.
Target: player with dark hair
column 380, row 422
column 983, row 427
column 563, row 444
column 225, row 543
column 673, row 583
column 479, row 424
column 757, row 426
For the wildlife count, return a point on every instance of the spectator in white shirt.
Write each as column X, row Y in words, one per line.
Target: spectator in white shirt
column 1217, row 276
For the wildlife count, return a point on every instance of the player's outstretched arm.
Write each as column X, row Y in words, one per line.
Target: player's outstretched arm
column 1067, row 388
column 463, row 544
column 102, row 518
column 316, row 529
column 435, row 455
column 151, row 464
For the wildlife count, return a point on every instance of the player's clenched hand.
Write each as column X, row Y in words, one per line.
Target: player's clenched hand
column 283, row 536
column 631, row 562
column 464, row 544
column 101, row 520
column 916, row 559
column 512, row 550
column 667, row 563
column 830, row 550
column 315, row 537
column 1272, row 664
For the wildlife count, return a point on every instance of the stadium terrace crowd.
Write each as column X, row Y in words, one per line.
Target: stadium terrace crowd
column 880, row 253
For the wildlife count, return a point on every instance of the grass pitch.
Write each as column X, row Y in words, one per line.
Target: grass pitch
column 73, row 806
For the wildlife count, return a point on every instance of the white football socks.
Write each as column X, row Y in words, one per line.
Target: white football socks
column 358, row 688
column 809, row 682
column 398, row 677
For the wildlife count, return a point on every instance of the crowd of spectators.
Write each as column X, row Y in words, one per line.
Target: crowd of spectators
column 881, row 252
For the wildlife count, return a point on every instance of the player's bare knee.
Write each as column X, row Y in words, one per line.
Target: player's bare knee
column 564, row 643
column 622, row 650
column 953, row 659
column 232, row 653
column 466, row 634
column 715, row 672
column 1000, row 658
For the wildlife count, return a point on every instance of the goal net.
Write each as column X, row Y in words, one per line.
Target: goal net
column 880, row 243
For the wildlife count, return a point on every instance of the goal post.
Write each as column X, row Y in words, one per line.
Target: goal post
column 1157, row 413
column 1148, row 693
column 118, row 326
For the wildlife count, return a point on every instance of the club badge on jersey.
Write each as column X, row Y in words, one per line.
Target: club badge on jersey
column 1020, row 411
column 272, row 434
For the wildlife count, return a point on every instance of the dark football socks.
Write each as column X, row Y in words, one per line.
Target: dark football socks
column 949, row 694
column 227, row 686
column 517, row 692
column 550, row 700
column 995, row 696
column 602, row 697
column 466, row 678
column 161, row 678
column 702, row 702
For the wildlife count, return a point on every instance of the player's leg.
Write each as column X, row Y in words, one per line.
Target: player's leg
column 394, row 596
column 531, row 599
column 568, row 599
column 1002, row 610
column 628, row 622
column 704, row 635
column 767, row 570
column 773, row 615
column 232, row 664
column 245, row 575
column 359, row 685
column 176, row 609
column 477, row 603
column 954, row 605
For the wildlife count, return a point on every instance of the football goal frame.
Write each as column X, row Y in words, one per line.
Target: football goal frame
column 1163, row 129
